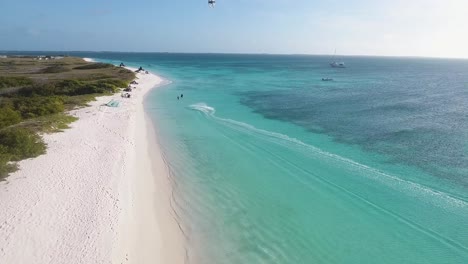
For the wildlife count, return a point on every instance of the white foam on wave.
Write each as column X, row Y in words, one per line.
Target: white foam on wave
column 374, row 173
column 204, row 108
column 89, row 60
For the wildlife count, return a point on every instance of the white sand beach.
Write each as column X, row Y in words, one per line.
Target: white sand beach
column 98, row 195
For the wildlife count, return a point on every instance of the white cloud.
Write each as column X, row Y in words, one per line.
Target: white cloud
column 401, row 27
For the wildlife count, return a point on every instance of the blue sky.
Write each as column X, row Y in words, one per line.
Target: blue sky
column 436, row 28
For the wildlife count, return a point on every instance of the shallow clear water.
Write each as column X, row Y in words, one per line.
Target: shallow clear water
column 272, row 165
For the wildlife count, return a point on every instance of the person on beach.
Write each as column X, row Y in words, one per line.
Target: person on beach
column 181, row 96
column 177, row 97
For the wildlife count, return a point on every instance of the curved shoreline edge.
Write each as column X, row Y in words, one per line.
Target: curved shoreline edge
column 148, row 231
column 100, row 195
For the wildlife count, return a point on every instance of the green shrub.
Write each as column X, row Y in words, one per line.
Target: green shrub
column 5, row 166
column 50, row 123
column 38, row 106
column 19, row 143
column 8, row 117
column 54, row 69
column 71, row 102
column 70, row 87
column 73, row 87
column 49, row 89
column 114, row 82
column 13, row 81
column 94, row 66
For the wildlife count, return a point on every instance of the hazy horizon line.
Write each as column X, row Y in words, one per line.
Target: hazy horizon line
column 237, row 53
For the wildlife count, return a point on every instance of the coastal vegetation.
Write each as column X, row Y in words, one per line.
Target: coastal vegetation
column 14, row 81
column 35, row 95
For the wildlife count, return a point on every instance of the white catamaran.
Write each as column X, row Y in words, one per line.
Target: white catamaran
column 337, row 64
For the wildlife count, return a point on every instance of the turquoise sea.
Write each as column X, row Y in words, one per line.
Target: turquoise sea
column 272, row 165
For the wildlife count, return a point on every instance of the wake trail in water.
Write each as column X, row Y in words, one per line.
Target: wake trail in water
column 376, row 174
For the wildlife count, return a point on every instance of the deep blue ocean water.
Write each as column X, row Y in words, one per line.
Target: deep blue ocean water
column 272, row 165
